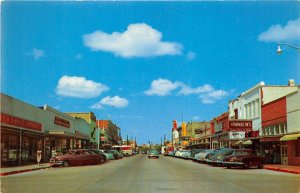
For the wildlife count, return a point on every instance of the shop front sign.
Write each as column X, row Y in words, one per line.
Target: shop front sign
column 185, row 138
column 240, row 125
column 61, row 122
column 19, row 122
column 237, row 135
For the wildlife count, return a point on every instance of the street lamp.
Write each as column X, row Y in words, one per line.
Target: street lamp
column 279, row 50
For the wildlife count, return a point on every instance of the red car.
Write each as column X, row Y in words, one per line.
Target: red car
column 245, row 159
column 76, row 157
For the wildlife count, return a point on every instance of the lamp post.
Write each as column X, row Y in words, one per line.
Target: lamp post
column 279, row 50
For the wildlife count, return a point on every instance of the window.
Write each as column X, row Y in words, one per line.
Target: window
column 276, row 129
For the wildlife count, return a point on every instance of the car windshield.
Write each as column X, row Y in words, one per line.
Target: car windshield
column 242, row 152
column 153, row 151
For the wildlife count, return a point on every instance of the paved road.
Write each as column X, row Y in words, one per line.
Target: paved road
column 139, row 174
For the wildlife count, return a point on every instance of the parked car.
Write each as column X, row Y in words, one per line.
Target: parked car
column 144, row 152
column 244, row 158
column 114, row 153
column 194, row 152
column 219, row 156
column 109, row 156
column 205, row 154
column 186, row 154
column 76, row 157
column 117, row 155
column 97, row 151
column 153, row 153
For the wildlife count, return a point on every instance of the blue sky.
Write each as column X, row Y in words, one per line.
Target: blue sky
column 145, row 63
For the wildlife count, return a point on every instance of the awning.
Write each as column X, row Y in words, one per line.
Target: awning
column 238, row 142
column 290, row 137
column 248, row 142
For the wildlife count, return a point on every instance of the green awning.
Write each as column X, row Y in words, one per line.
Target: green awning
column 290, row 137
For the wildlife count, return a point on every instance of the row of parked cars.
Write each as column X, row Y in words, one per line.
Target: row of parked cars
column 85, row 157
column 227, row 157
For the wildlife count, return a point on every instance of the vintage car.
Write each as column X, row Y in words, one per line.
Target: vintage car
column 153, row 153
column 116, row 154
column 100, row 152
column 245, row 159
column 204, row 154
column 218, row 157
column 76, row 157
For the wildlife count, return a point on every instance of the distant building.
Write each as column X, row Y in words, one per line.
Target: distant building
column 90, row 118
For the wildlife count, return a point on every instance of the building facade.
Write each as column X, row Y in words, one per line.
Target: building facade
column 90, row 118
column 22, row 132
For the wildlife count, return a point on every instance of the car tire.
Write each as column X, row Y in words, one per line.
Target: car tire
column 65, row 164
column 228, row 167
column 260, row 165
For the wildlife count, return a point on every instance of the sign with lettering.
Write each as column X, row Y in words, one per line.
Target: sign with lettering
column 240, row 125
column 185, row 138
column 61, row 122
column 198, row 131
column 236, row 135
column 19, row 122
column 103, row 124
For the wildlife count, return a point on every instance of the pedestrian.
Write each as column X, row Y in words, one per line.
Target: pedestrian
column 38, row 156
column 53, row 152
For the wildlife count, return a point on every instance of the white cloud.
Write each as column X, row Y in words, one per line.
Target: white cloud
column 115, row 101
column 162, row 87
column 186, row 90
column 79, row 87
column 213, row 96
column 97, row 106
column 277, row 33
column 207, row 93
column 139, row 40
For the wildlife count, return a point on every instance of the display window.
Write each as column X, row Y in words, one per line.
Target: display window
column 9, row 149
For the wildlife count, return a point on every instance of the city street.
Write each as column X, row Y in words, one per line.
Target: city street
column 140, row 174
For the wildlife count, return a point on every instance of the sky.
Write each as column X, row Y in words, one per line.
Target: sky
column 145, row 64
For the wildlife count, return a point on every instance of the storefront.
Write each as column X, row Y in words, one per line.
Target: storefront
column 290, row 149
column 59, row 132
column 22, row 132
column 271, row 149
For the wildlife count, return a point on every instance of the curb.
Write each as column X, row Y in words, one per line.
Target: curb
column 22, row 171
column 282, row 170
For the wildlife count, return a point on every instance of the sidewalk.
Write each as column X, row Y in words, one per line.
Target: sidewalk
column 21, row 169
column 283, row 168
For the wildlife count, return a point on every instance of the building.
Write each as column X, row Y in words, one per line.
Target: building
column 290, row 143
column 200, row 134
column 219, row 128
column 90, row 118
column 111, row 131
column 22, row 132
column 265, row 107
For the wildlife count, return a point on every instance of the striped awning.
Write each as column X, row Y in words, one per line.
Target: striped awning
column 290, row 137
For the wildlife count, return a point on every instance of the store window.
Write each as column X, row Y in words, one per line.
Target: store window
column 9, row 149
column 277, row 129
